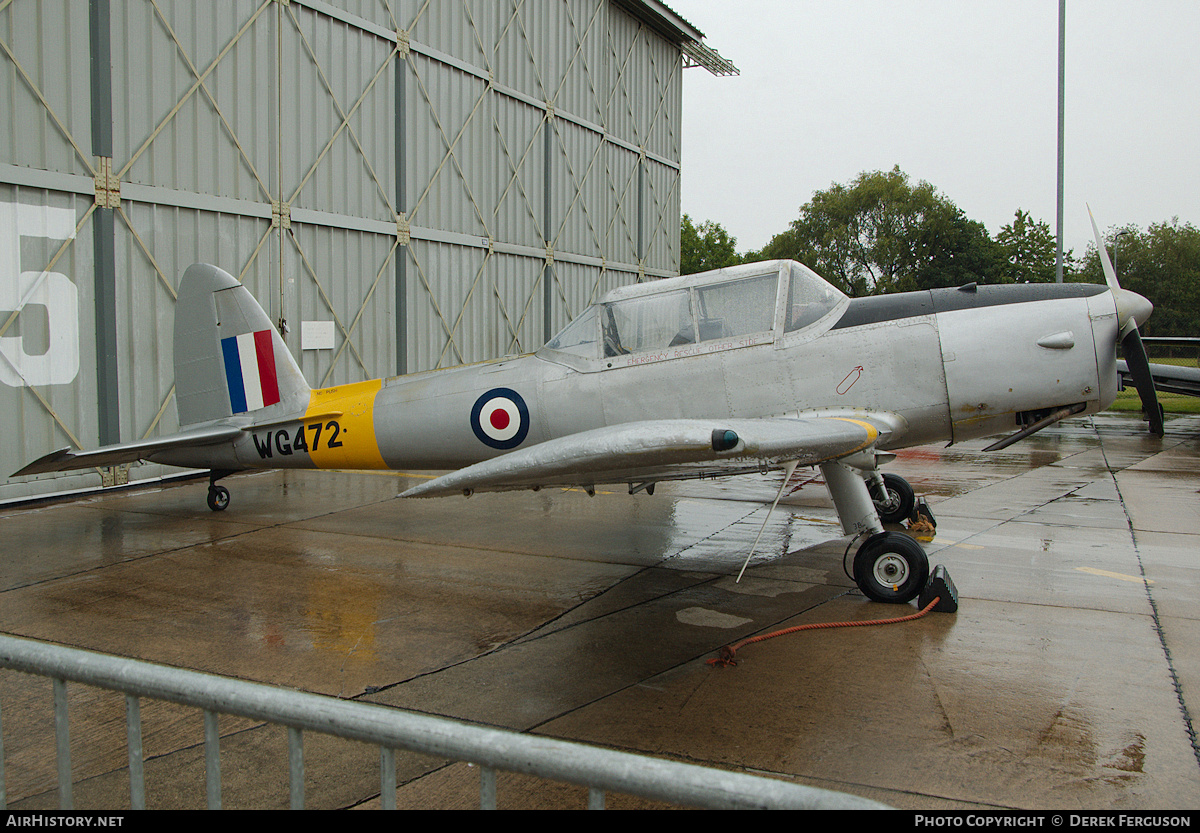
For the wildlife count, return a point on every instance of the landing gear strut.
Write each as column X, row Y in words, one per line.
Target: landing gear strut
column 889, row 567
column 893, row 497
column 218, row 496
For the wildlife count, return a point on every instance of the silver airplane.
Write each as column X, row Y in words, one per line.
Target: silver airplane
column 748, row 369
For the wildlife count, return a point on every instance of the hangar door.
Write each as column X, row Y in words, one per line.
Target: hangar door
column 402, row 185
column 257, row 136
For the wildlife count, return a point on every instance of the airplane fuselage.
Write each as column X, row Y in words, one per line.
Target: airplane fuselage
column 949, row 364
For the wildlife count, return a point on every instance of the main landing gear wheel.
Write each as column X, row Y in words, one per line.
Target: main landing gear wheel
column 218, row 498
column 898, row 504
column 891, row 567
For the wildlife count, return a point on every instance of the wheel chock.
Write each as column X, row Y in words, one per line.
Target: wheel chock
column 941, row 587
column 921, row 508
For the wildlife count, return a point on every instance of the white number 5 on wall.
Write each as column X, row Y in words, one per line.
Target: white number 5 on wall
column 54, row 360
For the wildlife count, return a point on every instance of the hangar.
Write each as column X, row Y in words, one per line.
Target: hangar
column 404, row 185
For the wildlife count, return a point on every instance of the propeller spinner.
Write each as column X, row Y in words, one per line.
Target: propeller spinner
column 1132, row 311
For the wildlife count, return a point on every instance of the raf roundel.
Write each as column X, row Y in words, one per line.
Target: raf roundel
column 500, row 418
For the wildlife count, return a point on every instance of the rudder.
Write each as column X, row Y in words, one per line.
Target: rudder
column 229, row 358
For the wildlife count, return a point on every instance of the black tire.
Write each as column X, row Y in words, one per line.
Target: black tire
column 218, row 498
column 900, row 500
column 891, row 567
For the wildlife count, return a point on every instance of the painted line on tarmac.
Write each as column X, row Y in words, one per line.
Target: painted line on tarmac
column 1123, row 577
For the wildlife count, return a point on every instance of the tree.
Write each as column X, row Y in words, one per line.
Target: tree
column 1031, row 249
column 704, row 247
column 882, row 234
column 1161, row 263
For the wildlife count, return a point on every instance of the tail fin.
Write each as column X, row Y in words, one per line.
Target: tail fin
column 229, row 358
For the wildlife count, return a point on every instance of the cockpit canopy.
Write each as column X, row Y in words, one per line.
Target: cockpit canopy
column 725, row 308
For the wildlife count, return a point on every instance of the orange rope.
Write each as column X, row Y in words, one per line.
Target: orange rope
column 726, row 657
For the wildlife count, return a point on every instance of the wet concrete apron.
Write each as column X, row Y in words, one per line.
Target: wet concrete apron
column 1063, row 681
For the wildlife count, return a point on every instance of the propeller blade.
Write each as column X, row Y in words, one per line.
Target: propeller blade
column 1139, row 369
column 1110, row 274
column 1132, row 310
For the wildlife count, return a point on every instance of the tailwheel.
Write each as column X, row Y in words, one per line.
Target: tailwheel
column 897, row 501
column 218, row 498
column 891, row 567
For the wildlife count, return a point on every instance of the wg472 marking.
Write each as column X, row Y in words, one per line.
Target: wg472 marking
column 268, row 442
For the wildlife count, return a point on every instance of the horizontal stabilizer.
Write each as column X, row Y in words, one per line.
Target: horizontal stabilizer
column 64, row 459
column 660, row 450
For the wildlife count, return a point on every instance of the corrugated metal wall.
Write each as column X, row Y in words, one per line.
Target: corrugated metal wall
column 443, row 182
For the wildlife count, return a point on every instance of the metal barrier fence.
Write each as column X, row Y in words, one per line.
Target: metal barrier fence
column 493, row 750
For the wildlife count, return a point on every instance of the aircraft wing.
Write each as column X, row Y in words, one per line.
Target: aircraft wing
column 649, row 451
column 64, row 459
column 1168, row 378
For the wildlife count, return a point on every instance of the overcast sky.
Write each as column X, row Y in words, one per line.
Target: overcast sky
column 963, row 95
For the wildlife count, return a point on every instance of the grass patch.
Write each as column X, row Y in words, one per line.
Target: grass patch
column 1173, row 403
